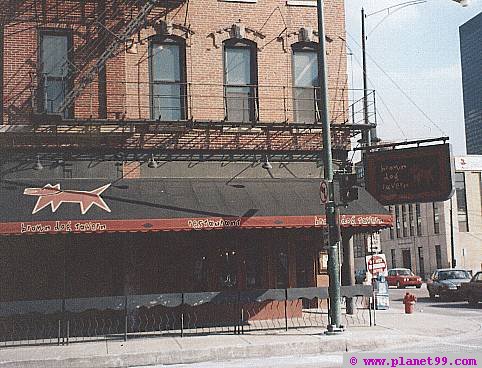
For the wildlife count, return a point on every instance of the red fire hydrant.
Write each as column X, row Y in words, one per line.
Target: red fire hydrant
column 409, row 302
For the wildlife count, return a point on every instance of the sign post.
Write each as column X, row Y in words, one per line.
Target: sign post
column 334, row 289
column 376, row 264
column 373, row 243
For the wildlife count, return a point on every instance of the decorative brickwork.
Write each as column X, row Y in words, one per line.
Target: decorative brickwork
column 204, row 24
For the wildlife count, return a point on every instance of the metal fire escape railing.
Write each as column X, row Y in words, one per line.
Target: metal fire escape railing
column 119, row 40
column 201, row 116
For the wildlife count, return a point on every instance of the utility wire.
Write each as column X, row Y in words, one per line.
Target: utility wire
column 399, row 88
column 379, row 96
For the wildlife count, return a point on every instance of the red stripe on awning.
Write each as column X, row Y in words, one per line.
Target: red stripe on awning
column 186, row 224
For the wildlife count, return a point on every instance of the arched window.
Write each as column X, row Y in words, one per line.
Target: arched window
column 54, row 62
column 305, row 81
column 240, row 80
column 167, row 71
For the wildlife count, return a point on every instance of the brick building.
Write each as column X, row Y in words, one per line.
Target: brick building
column 167, row 146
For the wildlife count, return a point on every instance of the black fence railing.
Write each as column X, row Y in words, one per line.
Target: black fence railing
column 176, row 101
column 62, row 321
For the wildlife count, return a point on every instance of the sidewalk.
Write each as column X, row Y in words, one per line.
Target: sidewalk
column 392, row 326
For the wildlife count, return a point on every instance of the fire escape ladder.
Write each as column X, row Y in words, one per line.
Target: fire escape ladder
column 132, row 27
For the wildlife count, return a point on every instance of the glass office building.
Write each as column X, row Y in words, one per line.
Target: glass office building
column 471, row 51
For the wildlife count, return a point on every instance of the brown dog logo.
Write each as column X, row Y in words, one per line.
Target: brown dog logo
column 52, row 195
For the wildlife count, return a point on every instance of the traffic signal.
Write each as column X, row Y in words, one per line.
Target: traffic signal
column 348, row 188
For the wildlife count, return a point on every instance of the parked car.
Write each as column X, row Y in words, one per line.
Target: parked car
column 472, row 290
column 402, row 277
column 446, row 283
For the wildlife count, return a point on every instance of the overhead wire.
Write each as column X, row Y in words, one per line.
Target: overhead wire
column 399, row 88
column 379, row 96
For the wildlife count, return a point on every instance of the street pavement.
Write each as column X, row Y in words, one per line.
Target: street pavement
column 434, row 326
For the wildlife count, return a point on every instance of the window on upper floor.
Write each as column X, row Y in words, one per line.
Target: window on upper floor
column 404, row 220
column 397, row 221
column 411, row 220
column 394, row 258
column 461, row 202
column 54, row 70
column 239, row 1
column 240, row 81
column 305, row 82
column 311, row 3
column 418, row 217
column 436, row 218
column 167, row 78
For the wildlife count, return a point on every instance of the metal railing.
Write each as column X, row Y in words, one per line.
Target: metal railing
column 62, row 321
column 247, row 104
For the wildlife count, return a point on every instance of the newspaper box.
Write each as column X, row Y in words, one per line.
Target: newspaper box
column 382, row 300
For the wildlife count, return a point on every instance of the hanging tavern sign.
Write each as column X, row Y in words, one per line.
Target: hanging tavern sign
column 409, row 175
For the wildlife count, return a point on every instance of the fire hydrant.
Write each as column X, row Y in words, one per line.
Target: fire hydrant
column 409, row 302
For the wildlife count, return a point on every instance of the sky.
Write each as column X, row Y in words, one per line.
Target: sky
column 418, row 48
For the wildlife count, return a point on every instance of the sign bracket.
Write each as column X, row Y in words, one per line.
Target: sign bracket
column 418, row 142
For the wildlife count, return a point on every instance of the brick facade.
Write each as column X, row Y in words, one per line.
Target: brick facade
column 272, row 25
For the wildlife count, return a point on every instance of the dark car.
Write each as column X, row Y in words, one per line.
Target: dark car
column 446, row 283
column 472, row 291
column 402, row 277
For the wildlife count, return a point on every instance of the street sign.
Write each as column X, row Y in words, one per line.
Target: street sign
column 324, row 193
column 377, row 264
column 373, row 243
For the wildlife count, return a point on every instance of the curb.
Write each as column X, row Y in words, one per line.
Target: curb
column 190, row 356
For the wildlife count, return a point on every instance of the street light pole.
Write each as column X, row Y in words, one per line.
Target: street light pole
column 367, row 133
column 453, row 262
column 330, row 207
column 371, row 134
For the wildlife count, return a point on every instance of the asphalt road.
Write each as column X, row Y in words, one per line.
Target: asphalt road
column 455, row 308
column 469, row 342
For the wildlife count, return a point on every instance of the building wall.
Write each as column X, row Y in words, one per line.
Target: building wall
column 205, row 24
column 470, row 51
column 468, row 245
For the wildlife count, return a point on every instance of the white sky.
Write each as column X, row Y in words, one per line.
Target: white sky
column 418, row 47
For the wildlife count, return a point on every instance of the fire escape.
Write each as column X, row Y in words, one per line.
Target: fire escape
column 86, row 77
column 56, row 131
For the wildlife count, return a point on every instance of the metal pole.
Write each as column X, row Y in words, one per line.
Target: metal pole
column 330, row 207
column 453, row 263
column 286, row 309
column 64, row 291
column 366, row 134
column 348, row 268
column 1, row 68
